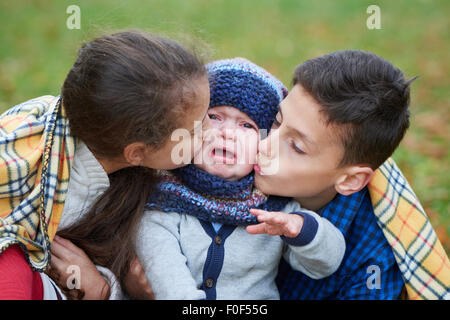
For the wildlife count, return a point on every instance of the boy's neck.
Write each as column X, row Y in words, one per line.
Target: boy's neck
column 319, row 201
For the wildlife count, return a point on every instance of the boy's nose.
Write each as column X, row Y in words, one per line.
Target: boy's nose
column 268, row 147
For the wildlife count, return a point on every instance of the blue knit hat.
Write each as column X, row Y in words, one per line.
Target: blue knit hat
column 241, row 84
column 244, row 85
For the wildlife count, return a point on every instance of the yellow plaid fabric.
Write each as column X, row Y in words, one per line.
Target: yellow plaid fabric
column 36, row 153
column 419, row 254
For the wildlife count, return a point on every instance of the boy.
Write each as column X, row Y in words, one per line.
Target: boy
column 184, row 255
column 345, row 115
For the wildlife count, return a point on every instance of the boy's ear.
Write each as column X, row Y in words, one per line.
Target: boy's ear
column 134, row 153
column 353, row 179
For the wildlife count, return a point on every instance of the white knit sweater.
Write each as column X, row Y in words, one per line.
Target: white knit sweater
column 88, row 180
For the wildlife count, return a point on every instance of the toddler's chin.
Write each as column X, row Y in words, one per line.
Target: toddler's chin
column 228, row 172
column 221, row 170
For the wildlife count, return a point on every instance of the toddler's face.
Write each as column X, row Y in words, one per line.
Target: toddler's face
column 230, row 145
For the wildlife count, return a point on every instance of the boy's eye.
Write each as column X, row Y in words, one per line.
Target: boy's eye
column 212, row 116
column 296, row 149
column 248, row 126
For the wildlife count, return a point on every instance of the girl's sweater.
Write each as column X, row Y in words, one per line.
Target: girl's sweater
column 88, row 180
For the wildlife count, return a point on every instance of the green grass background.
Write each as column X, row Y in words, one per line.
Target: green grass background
column 37, row 50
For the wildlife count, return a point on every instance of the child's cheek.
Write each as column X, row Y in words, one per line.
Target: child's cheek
column 251, row 147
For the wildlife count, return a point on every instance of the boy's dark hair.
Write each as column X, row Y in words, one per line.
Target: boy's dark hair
column 365, row 97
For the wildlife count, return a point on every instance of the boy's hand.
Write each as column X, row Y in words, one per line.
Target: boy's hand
column 276, row 223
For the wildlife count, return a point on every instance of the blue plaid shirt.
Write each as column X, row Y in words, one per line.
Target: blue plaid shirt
column 368, row 270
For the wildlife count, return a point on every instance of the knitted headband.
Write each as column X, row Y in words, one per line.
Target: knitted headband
column 242, row 84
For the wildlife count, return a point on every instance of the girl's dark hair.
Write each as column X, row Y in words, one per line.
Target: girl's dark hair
column 106, row 232
column 365, row 97
column 126, row 87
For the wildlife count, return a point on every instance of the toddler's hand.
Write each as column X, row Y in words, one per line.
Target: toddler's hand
column 136, row 283
column 276, row 223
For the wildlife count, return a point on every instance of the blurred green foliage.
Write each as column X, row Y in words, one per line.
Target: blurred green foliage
column 37, row 50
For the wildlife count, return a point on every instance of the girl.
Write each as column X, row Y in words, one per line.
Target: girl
column 82, row 164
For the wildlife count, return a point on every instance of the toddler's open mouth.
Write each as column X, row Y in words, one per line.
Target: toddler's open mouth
column 223, row 155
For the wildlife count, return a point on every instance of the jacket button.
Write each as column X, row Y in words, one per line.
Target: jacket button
column 218, row 240
column 209, row 283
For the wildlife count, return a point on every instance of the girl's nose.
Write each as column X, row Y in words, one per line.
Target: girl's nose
column 206, row 125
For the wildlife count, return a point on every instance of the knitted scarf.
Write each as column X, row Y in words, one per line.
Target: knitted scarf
column 208, row 197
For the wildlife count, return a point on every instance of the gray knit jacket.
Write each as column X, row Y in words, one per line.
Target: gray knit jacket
column 173, row 249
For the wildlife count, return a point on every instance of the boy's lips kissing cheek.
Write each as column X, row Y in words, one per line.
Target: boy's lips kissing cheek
column 265, row 166
column 260, row 164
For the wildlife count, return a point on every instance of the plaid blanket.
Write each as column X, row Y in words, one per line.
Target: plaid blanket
column 36, row 153
column 420, row 256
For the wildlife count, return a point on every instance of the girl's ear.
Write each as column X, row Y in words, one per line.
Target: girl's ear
column 134, row 153
column 353, row 180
